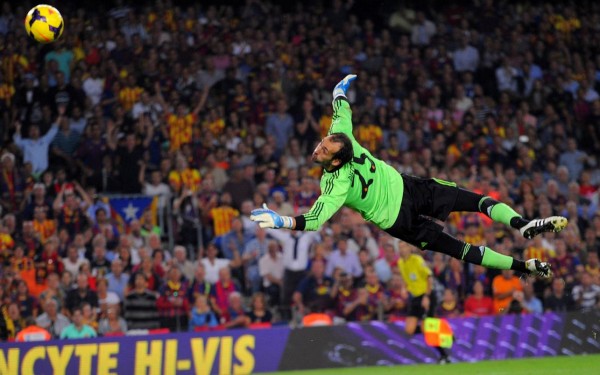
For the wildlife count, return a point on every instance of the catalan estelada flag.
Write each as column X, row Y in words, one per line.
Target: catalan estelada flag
column 438, row 333
column 126, row 209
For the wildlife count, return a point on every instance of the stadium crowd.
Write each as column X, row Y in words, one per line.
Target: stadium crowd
column 216, row 109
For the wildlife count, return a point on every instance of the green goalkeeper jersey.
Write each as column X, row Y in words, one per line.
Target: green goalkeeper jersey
column 367, row 185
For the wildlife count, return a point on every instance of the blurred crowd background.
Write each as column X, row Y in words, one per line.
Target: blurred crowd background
column 216, row 109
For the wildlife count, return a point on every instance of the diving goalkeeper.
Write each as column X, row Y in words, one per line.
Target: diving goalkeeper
column 401, row 205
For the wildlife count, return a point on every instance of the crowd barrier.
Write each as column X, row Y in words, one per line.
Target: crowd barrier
column 282, row 348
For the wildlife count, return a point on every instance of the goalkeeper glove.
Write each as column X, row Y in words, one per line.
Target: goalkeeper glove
column 267, row 218
column 342, row 87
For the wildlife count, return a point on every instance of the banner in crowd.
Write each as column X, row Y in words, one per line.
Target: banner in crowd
column 225, row 352
column 126, row 209
column 280, row 348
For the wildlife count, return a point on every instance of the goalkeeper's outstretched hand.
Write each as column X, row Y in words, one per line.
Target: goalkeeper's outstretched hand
column 342, row 87
column 267, row 218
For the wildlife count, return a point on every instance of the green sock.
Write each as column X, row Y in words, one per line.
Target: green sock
column 502, row 213
column 492, row 259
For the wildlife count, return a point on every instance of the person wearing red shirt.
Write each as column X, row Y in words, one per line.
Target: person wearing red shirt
column 478, row 304
column 223, row 288
column 173, row 306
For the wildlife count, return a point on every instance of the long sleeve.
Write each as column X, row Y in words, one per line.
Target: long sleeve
column 341, row 121
column 19, row 141
column 334, row 191
column 50, row 134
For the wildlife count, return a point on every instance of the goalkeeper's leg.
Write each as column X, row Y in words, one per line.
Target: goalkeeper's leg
column 472, row 202
column 487, row 257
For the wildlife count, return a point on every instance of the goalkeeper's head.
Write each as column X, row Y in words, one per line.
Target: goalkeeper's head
column 333, row 152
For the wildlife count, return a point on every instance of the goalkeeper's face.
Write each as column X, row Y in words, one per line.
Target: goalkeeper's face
column 324, row 153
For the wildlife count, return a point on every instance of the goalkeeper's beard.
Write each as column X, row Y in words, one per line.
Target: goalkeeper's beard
column 324, row 164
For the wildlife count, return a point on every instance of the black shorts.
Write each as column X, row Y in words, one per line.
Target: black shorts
column 423, row 200
column 416, row 309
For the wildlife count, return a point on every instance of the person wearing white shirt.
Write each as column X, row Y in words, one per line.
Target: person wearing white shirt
column 271, row 269
column 94, row 86
column 155, row 187
column 296, row 247
column 506, row 77
column 212, row 264
column 422, row 31
column 73, row 261
column 466, row 57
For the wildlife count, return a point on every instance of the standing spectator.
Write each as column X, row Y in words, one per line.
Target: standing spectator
column 173, row 306
column 558, row 300
column 93, row 86
column 128, row 162
column 212, row 264
column 81, row 293
column 223, row 288
column 478, row 304
column 35, row 148
column 397, row 297
column 573, row 159
column 140, row 305
column 384, row 266
column 271, row 271
column 64, row 57
column 222, row 215
column 422, row 30
column 466, row 57
column 117, row 280
column 586, row 294
column 504, row 286
column 77, row 330
column 280, row 124
column 254, row 250
column 313, row 294
column 186, row 267
column 52, row 319
column 296, row 247
column 345, row 260
column 202, row 316
column 530, row 301
column 12, row 184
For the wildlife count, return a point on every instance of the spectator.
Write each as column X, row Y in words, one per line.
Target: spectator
column 185, row 266
column 344, row 259
column 253, row 251
column 106, row 298
column 530, row 301
column 376, row 294
column 586, row 294
column 212, row 264
column 202, row 315
column 90, row 317
column 558, row 300
column 478, row 304
column 222, row 215
column 35, row 148
column 504, row 286
column 53, row 290
column 466, row 57
column 77, row 330
column 73, row 261
column 12, row 184
column 52, row 319
column 313, row 294
column 32, row 332
column 422, row 30
column 271, row 271
column 113, row 323
column 280, row 125
column 397, row 297
column 259, row 309
column 28, row 305
column 117, row 280
column 81, row 293
column 235, row 316
column 140, row 305
column 223, row 288
column 172, row 305
column 449, row 306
